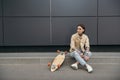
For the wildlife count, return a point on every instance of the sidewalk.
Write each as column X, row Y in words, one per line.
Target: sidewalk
column 33, row 66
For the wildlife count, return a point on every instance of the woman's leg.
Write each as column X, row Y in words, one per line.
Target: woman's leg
column 87, row 55
column 78, row 58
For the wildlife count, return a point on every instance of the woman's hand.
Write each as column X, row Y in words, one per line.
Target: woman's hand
column 82, row 55
column 86, row 58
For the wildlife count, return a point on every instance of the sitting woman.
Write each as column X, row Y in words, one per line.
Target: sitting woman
column 80, row 48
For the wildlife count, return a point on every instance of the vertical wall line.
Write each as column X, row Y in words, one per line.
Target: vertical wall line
column 2, row 23
column 50, row 25
column 97, row 21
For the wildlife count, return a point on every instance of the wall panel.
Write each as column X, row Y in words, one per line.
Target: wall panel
column 64, row 27
column 26, row 7
column 1, row 32
column 109, row 31
column 109, row 7
column 26, row 31
column 0, row 7
column 74, row 7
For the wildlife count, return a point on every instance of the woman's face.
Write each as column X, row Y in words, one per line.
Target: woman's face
column 80, row 30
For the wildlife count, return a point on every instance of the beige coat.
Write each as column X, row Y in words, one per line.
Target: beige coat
column 79, row 42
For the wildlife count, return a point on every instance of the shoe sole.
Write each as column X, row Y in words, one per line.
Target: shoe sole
column 74, row 68
column 90, row 71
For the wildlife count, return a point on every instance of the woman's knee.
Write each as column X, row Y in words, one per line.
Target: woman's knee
column 89, row 54
column 76, row 54
column 72, row 54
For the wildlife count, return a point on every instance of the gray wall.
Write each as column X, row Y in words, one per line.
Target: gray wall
column 74, row 7
column 1, row 29
column 0, row 8
column 1, row 35
column 26, row 22
column 52, row 22
column 109, row 22
column 63, row 28
column 66, row 14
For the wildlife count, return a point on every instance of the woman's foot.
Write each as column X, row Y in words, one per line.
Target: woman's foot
column 89, row 68
column 74, row 66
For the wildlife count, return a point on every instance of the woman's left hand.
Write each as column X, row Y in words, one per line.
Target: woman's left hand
column 86, row 58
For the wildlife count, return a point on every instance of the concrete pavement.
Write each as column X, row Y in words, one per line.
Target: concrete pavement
column 33, row 66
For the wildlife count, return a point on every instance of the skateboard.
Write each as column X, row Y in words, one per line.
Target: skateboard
column 57, row 61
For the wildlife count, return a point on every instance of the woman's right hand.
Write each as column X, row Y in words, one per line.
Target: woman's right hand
column 82, row 55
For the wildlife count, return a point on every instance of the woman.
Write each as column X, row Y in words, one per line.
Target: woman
column 80, row 48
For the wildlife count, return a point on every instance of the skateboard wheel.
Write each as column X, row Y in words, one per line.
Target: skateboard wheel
column 65, row 52
column 49, row 64
column 58, row 51
column 58, row 65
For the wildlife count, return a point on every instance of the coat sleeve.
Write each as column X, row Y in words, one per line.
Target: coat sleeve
column 72, row 43
column 87, row 43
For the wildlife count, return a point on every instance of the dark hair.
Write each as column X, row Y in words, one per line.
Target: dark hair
column 83, row 26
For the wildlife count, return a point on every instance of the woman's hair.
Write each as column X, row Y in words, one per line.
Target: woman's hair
column 83, row 26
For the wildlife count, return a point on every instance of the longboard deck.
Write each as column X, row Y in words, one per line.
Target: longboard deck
column 57, row 62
